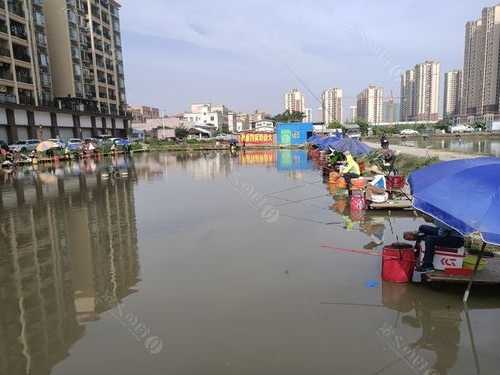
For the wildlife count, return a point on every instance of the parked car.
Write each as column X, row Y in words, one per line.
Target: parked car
column 409, row 132
column 25, row 146
column 57, row 141
column 74, row 145
column 462, row 129
column 4, row 145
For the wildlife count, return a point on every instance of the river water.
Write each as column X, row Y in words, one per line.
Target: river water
column 212, row 263
column 467, row 145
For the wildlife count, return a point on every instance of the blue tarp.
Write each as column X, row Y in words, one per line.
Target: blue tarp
column 463, row 194
column 355, row 147
column 326, row 142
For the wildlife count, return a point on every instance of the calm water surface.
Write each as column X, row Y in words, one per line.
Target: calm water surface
column 468, row 145
column 215, row 264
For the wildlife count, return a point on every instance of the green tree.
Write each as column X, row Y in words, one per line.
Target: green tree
column 444, row 124
column 181, row 132
column 288, row 116
column 334, row 125
column 479, row 125
column 363, row 126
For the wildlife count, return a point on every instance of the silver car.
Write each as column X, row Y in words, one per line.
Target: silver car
column 25, row 146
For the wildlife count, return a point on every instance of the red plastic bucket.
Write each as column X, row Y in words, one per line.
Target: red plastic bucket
column 357, row 202
column 395, row 182
column 398, row 263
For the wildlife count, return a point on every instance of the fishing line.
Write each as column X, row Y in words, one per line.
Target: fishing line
column 293, row 188
column 311, row 220
column 303, row 200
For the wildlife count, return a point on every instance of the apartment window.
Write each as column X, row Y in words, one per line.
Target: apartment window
column 39, row 19
column 44, row 60
column 18, row 30
column 42, row 39
column 3, row 26
column 16, row 7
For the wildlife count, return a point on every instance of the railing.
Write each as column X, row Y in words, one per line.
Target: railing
column 8, row 98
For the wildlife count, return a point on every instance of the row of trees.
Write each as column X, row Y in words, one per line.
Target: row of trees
column 288, row 116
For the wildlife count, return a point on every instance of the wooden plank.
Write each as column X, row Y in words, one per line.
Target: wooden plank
column 489, row 276
column 391, row 205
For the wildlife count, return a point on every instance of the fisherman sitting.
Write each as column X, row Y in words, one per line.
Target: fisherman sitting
column 350, row 170
column 438, row 235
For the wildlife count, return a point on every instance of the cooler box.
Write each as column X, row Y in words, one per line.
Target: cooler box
column 446, row 258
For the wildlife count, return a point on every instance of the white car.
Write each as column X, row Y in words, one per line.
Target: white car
column 409, row 132
column 461, row 129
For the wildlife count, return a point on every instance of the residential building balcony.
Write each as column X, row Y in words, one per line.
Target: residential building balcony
column 26, row 97
column 24, row 78
column 8, row 98
column 6, row 75
column 4, row 51
column 3, row 26
column 22, row 55
column 16, row 7
column 18, row 30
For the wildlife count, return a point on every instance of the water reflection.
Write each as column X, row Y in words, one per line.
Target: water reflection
column 467, row 145
column 68, row 237
column 69, row 253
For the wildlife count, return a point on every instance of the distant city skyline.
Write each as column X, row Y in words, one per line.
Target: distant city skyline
column 175, row 55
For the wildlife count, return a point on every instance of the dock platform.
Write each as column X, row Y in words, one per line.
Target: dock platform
column 489, row 276
column 392, row 205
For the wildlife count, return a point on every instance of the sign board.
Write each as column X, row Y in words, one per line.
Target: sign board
column 257, row 138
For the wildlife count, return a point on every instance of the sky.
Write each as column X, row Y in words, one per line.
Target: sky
column 247, row 53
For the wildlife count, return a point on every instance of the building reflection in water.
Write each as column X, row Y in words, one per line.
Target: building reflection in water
column 68, row 252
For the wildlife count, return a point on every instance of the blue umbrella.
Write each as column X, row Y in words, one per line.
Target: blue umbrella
column 355, row 147
column 463, row 194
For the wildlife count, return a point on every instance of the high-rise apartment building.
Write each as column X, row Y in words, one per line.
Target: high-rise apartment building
column 391, row 110
column 353, row 113
column 427, row 80
column 86, row 54
column 452, row 93
column 481, row 80
column 370, row 105
column 142, row 113
column 420, row 92
column 294, row 101
column 24, row 59
column 308, row 115
column 408, row 96
column 331, row 105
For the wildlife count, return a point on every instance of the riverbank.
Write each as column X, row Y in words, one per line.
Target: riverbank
column 427, row 152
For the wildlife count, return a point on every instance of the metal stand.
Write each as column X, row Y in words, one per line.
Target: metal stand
column 469, row 287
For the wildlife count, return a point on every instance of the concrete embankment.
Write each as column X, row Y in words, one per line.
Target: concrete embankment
column 427, row 152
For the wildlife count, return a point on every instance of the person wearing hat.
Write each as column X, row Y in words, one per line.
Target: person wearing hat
column 351, row 169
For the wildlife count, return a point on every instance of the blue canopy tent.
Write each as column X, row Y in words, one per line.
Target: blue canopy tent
column 355, row 147
column 315, row 139
column 463, row 194
column 324, row 143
